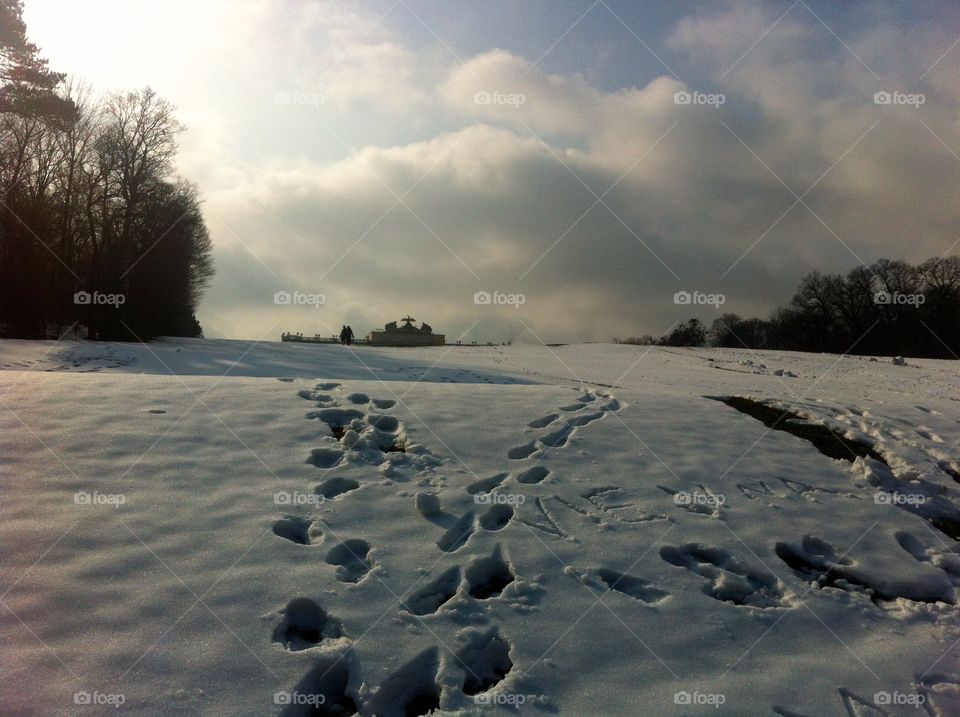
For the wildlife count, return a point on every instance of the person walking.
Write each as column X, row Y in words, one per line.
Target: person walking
column 343, row 335
column 349, row 335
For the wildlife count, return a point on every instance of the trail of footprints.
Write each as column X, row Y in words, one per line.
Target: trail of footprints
column 72, row 359
column 363, row 433
column 563, row 428
column 484, row 655
column 370, row 436
column 598, row 504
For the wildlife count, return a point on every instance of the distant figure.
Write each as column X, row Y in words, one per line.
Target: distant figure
column 343, row 335
column 349, row 335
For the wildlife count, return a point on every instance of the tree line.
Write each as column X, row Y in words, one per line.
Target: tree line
column 886, row 309
column 96, row 228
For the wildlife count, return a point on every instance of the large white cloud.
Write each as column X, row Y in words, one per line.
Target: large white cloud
column 400, row 191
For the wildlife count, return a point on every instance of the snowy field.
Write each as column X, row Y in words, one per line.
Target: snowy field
column 229, row 528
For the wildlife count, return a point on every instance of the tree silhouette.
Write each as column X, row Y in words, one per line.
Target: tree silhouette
column 90, row 206
column 28, row 84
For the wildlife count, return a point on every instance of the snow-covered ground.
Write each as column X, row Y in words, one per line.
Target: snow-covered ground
column 230, row 528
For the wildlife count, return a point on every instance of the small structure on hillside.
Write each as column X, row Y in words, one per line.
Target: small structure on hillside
column 406, row 335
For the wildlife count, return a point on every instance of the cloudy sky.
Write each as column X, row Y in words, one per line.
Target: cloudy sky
column 399, row 156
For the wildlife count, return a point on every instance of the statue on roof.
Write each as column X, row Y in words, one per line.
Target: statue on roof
column 407, row 334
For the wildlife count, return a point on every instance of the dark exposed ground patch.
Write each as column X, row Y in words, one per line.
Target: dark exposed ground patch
column 829, row 442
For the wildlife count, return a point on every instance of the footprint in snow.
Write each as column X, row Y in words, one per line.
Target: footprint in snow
column 458, row 529
column 728, row 578
column 435, row 594
column 486, row 485
column 298, row 530
column 815, row 560
column 352, row 561
column 927, row 551
column 325, row 458
column 359, row 431
column 484, row 658
column 410, row 691
column 323, row 690
column 335, row 487
column 304, row 625
column 533, row 475
column 487, row 577
column 496, row 518
column 637, row 588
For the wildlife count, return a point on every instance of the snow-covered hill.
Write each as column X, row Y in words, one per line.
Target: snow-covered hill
column 230, row 528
